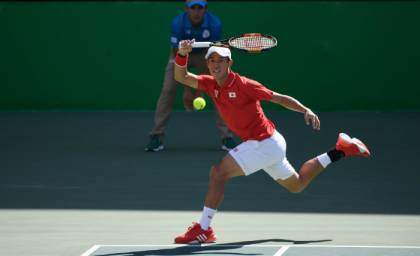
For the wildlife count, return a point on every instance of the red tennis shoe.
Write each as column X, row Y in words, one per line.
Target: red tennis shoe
column 196, row 235
column 351, row 146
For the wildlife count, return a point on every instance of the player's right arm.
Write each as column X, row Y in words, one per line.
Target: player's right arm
column 181, row 73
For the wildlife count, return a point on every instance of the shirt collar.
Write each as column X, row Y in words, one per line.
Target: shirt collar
column 205, row 23
column 229, row 80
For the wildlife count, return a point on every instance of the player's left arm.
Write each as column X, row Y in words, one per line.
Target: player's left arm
column 293, row 104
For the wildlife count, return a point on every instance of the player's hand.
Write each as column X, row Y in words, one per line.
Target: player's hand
column 185, row 47
column 311, row 118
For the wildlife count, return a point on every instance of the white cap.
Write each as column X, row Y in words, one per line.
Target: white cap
column 222, row 51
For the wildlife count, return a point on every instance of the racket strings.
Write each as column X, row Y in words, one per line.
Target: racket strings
column 253, row 43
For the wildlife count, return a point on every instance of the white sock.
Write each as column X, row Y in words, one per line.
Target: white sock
column 206, row 217
column 324, row 160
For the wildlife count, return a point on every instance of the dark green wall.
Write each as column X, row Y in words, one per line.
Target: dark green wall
column 112, row 55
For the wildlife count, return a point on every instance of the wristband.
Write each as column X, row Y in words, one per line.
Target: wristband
column 181, row 60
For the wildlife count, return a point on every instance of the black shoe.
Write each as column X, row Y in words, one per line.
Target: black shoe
column 155, row 143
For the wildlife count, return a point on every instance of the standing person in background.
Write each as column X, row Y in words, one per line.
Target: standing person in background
column 199, row 24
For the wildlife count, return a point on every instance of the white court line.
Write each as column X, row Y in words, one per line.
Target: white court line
column 91, row 250
column 359, row 246
column 282, row 250
column 271, row 245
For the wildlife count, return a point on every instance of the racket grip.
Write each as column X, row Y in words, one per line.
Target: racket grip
column 201, row 44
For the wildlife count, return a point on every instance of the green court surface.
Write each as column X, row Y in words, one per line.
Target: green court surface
column 73, row 180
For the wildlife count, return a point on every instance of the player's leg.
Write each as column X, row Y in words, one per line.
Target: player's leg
column 219, row 175
column 201, row 232
column 245, row 159
column 297, row 182
column 163, row 108
column 345, row 147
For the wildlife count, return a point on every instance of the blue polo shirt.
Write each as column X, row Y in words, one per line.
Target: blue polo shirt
column 210, row 30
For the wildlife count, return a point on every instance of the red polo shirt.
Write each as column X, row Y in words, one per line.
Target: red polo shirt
column 238, row 102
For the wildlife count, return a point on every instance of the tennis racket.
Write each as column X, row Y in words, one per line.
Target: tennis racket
column 250, row 42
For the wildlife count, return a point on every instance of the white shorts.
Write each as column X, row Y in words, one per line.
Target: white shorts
column 268, row 154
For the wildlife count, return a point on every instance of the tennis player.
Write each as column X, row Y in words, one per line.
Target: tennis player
column 237, row 99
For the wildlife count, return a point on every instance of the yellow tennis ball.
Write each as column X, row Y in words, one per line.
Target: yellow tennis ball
column 199, row 103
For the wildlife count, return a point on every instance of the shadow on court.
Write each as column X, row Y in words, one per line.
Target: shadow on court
column 209, row 249
column 95, row 160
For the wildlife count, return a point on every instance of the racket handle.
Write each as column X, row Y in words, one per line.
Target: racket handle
column 201, row 44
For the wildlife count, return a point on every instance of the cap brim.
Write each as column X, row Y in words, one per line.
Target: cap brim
column 200, row 3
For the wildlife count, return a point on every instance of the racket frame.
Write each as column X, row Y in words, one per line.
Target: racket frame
column 228, row 42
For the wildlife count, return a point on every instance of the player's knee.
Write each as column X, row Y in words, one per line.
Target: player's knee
column 218, row 174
